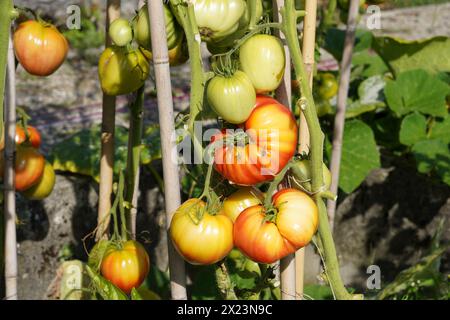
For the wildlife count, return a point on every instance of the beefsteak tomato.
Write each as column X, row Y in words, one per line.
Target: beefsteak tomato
column 262, row 58
column 122, row 71
column 198, row 236
column 268, row 240
column 29, row 166
column 39, row 47
column 240, row 200
column 126, row 266
column 272, row 133
column 218, row 18
column 233, row 98
column 44, row 186
column 174, row 33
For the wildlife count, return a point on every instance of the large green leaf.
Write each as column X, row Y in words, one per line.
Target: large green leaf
column 433, row 155
column 413, row 129
column 440, row 129
column 401, row 55
column 359, row 155
column 372, row 63
column 417, row 90
column 80, row 153
column 371, row 97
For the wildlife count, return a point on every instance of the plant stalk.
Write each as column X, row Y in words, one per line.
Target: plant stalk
column 133, row 160
column 339, row 119
column 307, row 106
column 308, row 49
column 9, row 178
column 107, row 141
column 167, row 128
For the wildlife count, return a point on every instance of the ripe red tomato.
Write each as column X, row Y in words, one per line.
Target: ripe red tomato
column 198, row 236
column 267, row 241
column 272, row 132
column 39, row 47
column 33, row 134
column 29, row 166
column 126, row 267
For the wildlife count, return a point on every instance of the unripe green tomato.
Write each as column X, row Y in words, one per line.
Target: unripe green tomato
column 302, row 174
column 328, row 86
column 142, row 29
column 44, row 186
column 122, row 71
column 120, row 32
column 262, row 58
column 233, row 98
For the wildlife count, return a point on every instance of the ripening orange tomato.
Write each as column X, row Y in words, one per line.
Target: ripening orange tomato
column 29, row 167
column 198, row 236
column 268, row 240
column 272, row 132
column 33, row 135
column 127, row 266
column 39, row 47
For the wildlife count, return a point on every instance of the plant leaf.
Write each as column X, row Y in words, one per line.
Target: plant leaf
column 417, row 90
column 402, row 55
column 433, row 155
column 359, row 155
column 413, row 129
column 105, row 289
column 440, row 129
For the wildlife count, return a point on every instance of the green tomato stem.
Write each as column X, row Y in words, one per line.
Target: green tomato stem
column 252, row 8
column 274, row 184
column 316, row 150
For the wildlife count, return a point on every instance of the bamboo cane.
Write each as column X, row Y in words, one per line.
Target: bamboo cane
column 283, row 94
column 107, row 139
column 9, row 176
column 167, row 129
column 308, row 50
column 339, row 120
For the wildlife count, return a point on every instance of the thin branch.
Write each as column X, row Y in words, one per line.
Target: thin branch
column 339, row 120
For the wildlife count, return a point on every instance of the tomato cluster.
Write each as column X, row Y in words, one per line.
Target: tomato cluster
column 258, row 139
column 34, row 176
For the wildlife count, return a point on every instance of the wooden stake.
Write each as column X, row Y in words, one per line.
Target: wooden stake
column 107, row 152
column 339, row 120
column 308, row 50
column 8, row 179
column 167, row 129
column 283, row 94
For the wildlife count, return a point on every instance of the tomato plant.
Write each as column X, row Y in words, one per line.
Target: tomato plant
column 232, row 97
column 126, row 266
column 39, row 47
column 120, row 32
column 272, row 132
column 262, row 58
column 240, row 200
column 44, row 186
column 122, row 71
column 29, row 166
column 265, row 238
column 200, row 237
